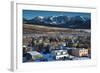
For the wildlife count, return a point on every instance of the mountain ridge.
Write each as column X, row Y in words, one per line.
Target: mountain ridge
column 75, row 22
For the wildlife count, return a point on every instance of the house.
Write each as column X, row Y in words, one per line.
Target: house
column 79, row 52
column 35, row 55
column 60, row 54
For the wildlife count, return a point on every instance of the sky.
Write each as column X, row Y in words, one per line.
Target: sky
column 29, row 14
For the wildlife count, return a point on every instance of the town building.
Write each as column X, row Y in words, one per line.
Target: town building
column 59, row 54
column 79, row 52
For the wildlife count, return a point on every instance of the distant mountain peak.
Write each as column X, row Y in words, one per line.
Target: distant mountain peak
column 61, row 21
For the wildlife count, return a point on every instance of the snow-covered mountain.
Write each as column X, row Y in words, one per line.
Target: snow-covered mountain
column 61, row 21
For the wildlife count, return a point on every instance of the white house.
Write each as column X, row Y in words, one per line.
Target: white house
column 60, row 54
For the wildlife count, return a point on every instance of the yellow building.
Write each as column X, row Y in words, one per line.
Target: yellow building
column 80, row 52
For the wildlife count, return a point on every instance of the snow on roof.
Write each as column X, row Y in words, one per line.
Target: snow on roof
column 33, row 53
